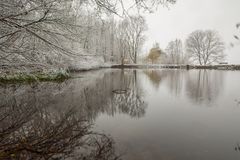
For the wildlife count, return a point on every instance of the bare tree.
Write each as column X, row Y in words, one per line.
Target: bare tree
column 45, row 31
column 175, row 52
column 120, row 7
column 122, row 42
column 135, row 27
column 205, row 47
column 36, row 31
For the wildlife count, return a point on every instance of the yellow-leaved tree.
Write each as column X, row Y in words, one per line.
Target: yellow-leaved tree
column 155, row 53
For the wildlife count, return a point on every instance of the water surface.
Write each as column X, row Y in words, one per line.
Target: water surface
column 150, row 114
column 188, row 115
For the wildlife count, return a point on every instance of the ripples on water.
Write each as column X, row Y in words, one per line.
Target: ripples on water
column 149, row 114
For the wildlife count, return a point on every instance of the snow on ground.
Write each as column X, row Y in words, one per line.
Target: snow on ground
column 88, row 63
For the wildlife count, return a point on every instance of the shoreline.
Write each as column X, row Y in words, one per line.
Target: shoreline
column 210, row 67
column 60, row 75
column 41, row 75
column 33, row 77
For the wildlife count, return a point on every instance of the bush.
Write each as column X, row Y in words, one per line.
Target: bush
column 54, row 75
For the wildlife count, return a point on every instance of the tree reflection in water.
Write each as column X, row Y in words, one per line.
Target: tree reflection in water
column 53, row 120
column 155, row 77
column 35, row 132
column 105, row 97
column 130, row 100
column 174, row 79
column 201, row 86
column 204, row 86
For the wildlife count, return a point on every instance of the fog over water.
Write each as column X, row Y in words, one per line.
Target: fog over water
column 186, row 16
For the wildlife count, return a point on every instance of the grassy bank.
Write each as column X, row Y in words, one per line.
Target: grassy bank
column 58, row 75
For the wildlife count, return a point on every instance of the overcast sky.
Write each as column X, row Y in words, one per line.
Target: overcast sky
column 188, row 15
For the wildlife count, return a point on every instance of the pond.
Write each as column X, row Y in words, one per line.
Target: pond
column 137, row 114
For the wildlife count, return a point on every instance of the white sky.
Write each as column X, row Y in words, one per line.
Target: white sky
column 188, row 15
